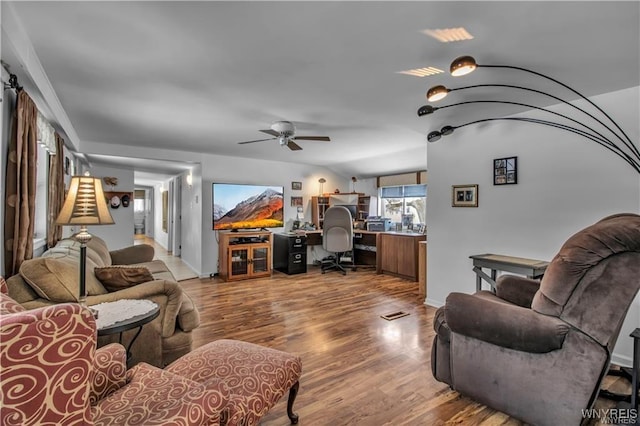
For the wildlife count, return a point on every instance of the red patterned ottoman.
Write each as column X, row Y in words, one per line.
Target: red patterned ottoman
column 256, row 376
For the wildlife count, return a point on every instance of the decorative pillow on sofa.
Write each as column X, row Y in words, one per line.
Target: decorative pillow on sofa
column 115, row 278
column 53, row 279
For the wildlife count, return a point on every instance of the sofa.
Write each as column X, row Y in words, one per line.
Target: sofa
column 52, row 373
column 538, row 350
column 128, row 273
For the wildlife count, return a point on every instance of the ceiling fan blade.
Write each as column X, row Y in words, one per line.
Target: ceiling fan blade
column 313, row 138
column 293, row 146
column 271, row 132
column 257, row 140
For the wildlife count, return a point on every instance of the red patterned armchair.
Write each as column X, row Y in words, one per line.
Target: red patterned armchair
column 52, row 373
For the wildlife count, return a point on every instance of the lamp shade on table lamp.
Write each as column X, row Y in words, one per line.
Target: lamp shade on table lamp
column 84, row 205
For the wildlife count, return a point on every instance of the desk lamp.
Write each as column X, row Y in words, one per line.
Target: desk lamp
column 85, row 205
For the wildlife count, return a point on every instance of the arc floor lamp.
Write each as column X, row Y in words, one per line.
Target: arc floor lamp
column 581, row 122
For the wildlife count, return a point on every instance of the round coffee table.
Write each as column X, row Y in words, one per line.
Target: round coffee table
column 120, row 327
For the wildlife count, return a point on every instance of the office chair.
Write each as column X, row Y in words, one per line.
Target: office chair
column 337, row 238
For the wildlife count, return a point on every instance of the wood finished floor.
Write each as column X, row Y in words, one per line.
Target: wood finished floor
column 358, row 369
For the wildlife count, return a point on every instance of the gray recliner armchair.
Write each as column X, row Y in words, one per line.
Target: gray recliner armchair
column 538, row 351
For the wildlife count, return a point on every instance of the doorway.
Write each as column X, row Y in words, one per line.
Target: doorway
column 143, row 222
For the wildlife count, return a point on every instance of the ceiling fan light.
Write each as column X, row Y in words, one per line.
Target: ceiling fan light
column 446, row 130
column 285, row 127
column 463, row 65
column 436, row 93
column 434, row 136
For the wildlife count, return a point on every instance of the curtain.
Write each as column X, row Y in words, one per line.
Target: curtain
column 20, row 190
column 56, row 192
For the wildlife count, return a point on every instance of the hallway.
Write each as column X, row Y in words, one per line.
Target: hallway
column 178, row 268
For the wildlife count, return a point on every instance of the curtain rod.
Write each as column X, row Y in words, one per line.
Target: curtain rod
column 10, row 82
column 13, row 83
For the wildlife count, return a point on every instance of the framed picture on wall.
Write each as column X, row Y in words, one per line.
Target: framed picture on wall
column 296, row 201
column 296, row 186
column 464, row 195
column 505, row 171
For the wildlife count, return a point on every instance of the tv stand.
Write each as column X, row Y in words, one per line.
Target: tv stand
column 245, row 254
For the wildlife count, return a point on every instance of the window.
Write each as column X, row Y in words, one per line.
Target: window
column 139, row 201
column 396, row 201
column 42, row 189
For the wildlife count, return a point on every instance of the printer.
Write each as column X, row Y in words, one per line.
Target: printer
column 378, row 223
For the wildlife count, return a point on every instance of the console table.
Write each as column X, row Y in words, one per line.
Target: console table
column 532, row 268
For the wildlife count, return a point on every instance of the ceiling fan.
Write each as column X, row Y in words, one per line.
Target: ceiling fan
column 284, row 132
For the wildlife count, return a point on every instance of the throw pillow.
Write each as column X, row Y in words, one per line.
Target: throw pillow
column 53, row 279
column 115, row 278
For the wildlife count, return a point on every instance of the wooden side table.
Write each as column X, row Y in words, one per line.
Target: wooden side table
column 532, row 268
column 126, row 324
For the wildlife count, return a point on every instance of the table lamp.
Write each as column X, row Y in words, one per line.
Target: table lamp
column 84, row 205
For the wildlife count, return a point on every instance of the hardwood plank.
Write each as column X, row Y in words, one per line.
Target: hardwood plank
column 358, row 368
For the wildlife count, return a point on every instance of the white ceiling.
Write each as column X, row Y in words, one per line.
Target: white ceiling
column 203, row 76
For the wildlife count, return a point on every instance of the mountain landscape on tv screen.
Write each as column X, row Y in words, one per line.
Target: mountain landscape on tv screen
column 265, row 210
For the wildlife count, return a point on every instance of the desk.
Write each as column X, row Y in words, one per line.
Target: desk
column 532, row 268
column 395, row 253
column 364, row 245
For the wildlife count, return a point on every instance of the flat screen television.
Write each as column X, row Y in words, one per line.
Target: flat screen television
column 245, row 206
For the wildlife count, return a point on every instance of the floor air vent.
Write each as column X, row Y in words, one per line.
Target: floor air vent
column 395, row 315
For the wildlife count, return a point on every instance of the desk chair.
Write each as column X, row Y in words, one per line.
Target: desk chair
column 337, row 238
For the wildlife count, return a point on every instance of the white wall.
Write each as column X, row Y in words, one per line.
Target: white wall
column 120, row 234
column 192, row 219
column 565, row 183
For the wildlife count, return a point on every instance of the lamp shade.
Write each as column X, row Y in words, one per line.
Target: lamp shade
column 462, row 66
column 85, row 203
column 436, row 93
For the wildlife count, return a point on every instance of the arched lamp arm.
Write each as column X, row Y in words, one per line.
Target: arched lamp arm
column 594, row 134
column 627, row 142
column 632, row 162
column 566, row 87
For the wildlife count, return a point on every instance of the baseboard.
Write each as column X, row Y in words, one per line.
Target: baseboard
column 621, row 360
column 434, row 303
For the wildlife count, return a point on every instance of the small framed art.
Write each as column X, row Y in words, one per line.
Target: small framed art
column 296, row 186
column 464, row 195
column 296, row 201
column 505, row 171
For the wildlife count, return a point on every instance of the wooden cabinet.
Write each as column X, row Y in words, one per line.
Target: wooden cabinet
column 320, row 204
column 397, row 254
column 422, row 268
column 245, row 255
column 364, row 247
